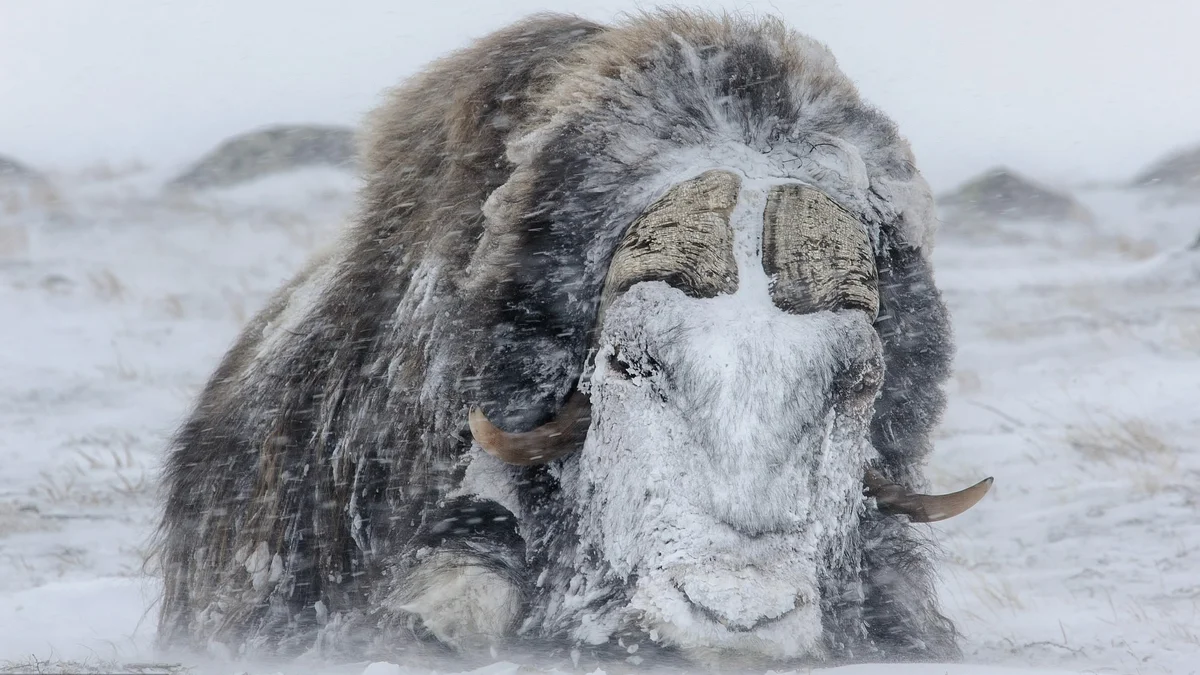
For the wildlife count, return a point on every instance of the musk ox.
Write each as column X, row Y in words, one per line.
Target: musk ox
column 633, row 347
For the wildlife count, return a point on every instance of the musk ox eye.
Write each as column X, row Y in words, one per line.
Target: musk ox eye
column 862, row 393
column 859, row 385
column 618, row 368
column 868, row 381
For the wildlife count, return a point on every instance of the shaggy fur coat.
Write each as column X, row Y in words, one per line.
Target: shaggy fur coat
column 324, row 451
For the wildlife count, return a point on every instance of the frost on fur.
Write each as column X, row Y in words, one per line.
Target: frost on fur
column 464, row 604
column 326, row 494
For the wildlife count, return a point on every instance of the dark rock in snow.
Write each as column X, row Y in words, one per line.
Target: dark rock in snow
column 1180, row 169
column 24, row 193
column 267, row 151
column 11, row 169
column 1003, row 194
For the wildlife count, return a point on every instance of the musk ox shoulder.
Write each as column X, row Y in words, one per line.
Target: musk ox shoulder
column 634, row 345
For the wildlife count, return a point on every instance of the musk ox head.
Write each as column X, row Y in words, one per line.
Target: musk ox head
column 718, row 448
column 634, row 341
column 715, row 453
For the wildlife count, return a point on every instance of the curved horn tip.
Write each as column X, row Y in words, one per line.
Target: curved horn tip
column 956, row 503
column 489, row 436
column 481, row 426
column 919, row 508
column 544, row 444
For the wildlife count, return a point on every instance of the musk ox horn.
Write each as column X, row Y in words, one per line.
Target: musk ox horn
column 684, row 239
column 895, row 498
column 560, row 436
column 817, row 254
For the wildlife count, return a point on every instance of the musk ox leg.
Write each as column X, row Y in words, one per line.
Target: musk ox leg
column 462, row 581
column 460, row 600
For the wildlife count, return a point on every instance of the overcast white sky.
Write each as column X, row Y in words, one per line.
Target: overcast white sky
column 1064, row 89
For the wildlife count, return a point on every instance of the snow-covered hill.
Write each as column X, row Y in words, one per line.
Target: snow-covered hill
column 1077, row 383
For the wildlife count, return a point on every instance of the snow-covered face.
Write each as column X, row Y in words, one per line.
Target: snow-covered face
column 723, row 467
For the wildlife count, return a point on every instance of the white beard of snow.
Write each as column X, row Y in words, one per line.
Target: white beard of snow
column 717, row 471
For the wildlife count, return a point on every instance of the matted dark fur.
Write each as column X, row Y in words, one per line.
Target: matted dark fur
column 322, row 456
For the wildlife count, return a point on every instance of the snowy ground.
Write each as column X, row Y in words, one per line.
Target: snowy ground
column 1077, row 388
